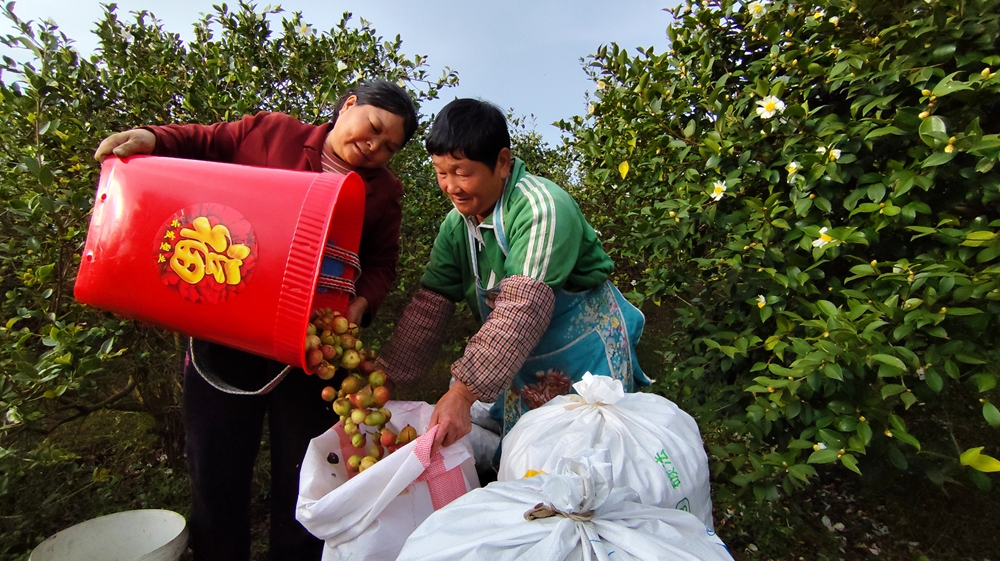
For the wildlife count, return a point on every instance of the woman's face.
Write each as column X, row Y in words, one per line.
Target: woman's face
column 473, row 187
column 365, row 136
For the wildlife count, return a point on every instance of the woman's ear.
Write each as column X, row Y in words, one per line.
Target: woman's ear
column 351, row 101
column 503, row 163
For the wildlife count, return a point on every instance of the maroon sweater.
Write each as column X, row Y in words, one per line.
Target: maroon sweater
column 276, row 140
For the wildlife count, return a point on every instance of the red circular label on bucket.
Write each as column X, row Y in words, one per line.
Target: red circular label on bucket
column 206, row 252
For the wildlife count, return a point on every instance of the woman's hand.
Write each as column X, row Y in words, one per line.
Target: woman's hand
column 452, row 415
column 356, row 310
column 124, row 144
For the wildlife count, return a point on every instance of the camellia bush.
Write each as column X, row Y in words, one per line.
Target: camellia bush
column 813, row 188
column 55, row 354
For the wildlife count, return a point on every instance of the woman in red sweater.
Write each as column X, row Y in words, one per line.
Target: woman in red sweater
column 223, row 430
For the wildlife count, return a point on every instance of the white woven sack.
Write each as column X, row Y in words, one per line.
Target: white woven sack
column 369, row 516
column 575, row 513
column 655, row 447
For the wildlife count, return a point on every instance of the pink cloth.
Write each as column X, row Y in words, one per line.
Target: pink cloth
column 444, row 485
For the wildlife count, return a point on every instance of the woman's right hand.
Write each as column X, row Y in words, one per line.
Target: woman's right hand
column 128, row 143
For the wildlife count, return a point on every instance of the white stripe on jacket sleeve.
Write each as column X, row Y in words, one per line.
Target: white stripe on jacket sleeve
column 543, row 230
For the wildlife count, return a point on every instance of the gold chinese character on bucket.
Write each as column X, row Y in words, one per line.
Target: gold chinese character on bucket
column 207, row 250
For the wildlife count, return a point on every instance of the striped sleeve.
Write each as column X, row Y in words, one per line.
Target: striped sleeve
column 544, row 232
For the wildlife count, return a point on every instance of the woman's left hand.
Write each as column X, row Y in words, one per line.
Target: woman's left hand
column 356, row 310
column 452, row 415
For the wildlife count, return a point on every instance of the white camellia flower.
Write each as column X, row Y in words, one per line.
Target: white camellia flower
column 821, row 150
column 757, row 9
column 341, row 66
column 834, row 20
column 834, row 155
column 792, row 168
column 718, row 189
column 818, row 447
column 769, row 106
column 761, row 301
column 823, row 238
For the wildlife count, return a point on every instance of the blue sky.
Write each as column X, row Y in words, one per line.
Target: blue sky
column 520, row 54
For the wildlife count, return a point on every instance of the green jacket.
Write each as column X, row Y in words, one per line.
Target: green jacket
column 547, row 235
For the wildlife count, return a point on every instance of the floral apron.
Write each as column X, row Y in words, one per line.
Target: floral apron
column 591, row 331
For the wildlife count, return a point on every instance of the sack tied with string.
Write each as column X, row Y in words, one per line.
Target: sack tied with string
column 655, row 448
column 576, row 512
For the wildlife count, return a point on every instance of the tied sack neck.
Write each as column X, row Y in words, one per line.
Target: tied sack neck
column 541, row 510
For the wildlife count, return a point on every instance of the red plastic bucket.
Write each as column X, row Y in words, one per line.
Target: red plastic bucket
column 226, row 253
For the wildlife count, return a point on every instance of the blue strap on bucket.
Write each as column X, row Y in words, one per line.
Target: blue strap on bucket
column 335, row 262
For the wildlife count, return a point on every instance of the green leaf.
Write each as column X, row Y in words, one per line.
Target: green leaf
column 827, row 308
column 969, row 359
column 906, row 437
column 985, row 382
column 991, row 414
column 944, row 51
column 31, row 164
column 988, row 254
column 892, row 389
column 863, row 270
column 802, row 472
column 897, row 458
column 884, row 131
column 934, row 380
column 799, row 444
column 963, row 311
column 908, row 399
column 937, row 159
column 889, row 360
column 947, row 84
column 850, row 462
column 765, row 313
column 952, row 369
column 865, row 432
column 823, row 456
column 933, row 130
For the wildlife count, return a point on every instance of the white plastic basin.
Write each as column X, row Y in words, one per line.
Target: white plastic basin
column 133, row 535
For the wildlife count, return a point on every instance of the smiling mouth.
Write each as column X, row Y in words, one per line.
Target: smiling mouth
column 360, row 151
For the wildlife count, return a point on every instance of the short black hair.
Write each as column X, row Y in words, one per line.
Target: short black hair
column 471, row 128
column 384, row 95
